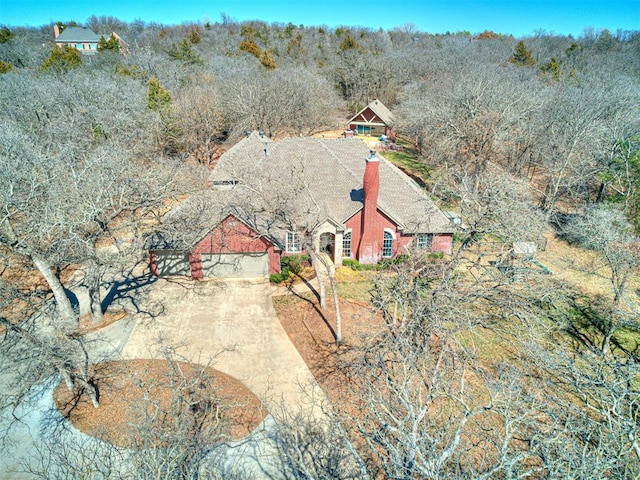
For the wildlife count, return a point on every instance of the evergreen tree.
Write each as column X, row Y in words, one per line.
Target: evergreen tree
column 348, row 43
column 62, row 59
column 184, row 52
column 158, row 98
column 250, row 46
column 194, row 35
column 111, row 45
column 522, row 56
column 6, row 35
column 5, row 67
column 552, row 68
column 267, row 61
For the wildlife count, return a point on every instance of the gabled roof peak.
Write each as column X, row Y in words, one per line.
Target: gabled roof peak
column 380, row 110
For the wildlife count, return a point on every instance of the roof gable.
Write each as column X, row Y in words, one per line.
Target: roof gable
column 378, row 108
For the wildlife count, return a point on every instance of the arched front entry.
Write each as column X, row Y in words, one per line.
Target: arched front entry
column 328, row 244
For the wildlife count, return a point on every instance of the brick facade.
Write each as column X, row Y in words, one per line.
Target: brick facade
column 234, row 236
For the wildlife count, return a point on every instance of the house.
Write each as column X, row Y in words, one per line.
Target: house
column 375, row 119
column 83, row 39
column 270, row 199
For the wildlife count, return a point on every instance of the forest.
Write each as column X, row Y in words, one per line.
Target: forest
column 472, row 370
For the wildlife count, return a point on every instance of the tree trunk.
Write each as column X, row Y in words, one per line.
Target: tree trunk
column 95, row 300
column 332, row 281
column 601, row 192
column 63, row 304
column 315, row 260
column 67, row 378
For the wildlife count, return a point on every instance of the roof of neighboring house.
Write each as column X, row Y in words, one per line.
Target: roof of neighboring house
column 303, row 182
column 380, row 110
column 78, row 35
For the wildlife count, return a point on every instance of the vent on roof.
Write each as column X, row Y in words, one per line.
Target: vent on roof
column 223, row 184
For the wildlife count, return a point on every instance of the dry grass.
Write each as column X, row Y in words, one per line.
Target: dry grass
column 584, row 270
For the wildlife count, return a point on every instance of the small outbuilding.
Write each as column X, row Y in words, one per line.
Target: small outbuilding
column 375, row 119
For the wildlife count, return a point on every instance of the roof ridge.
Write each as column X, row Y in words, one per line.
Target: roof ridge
column 336, row 157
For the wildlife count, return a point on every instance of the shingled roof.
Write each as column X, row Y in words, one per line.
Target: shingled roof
column 321, row 179
column 78, row 35
column 380, row 110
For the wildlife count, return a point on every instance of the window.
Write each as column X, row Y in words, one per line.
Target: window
column 292, row 244
column 424, row 241
column 346, row 245
column 387, row 244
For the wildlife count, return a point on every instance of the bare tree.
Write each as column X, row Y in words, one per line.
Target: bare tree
column 200, row 119
column 180, row 431
column 74, row 181
column 277, row 102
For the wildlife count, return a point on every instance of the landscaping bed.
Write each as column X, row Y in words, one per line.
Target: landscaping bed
column 129, row 387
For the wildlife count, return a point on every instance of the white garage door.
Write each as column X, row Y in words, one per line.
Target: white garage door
column 172, row 263
column 239, row 265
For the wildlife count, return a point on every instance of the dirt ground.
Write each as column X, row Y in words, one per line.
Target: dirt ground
column 312, row 330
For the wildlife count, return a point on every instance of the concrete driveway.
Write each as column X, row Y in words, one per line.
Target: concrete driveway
column 235, row 322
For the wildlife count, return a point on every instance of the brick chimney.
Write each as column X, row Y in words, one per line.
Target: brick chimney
column 56, row 31
column 370, row 248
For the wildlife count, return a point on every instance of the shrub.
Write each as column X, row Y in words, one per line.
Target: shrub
column 280, row 277
column 110, row 45
column 249, row 46
column 158, row 98
column 6, row 35
column 355, row 265
column 183, row 51
column 194, row 34
column 62, row 59
column 293, row 263
column 5, row 67
column 267, row 61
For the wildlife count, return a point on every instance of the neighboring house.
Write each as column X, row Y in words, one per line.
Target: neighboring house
column 83, row 39
column 270, row 199
column 375, row 119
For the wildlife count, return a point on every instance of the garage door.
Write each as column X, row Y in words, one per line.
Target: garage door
column 240, row 265
column 172, row 263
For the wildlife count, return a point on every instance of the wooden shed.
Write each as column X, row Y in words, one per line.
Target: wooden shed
column 375, row 119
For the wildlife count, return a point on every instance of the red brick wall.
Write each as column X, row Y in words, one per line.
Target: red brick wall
column 233, row 236
column 442, row 243
column 379, row 223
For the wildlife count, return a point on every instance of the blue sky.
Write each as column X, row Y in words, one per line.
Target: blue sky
column 517, row 17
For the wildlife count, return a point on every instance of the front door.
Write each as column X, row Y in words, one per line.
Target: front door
column 327, row 244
